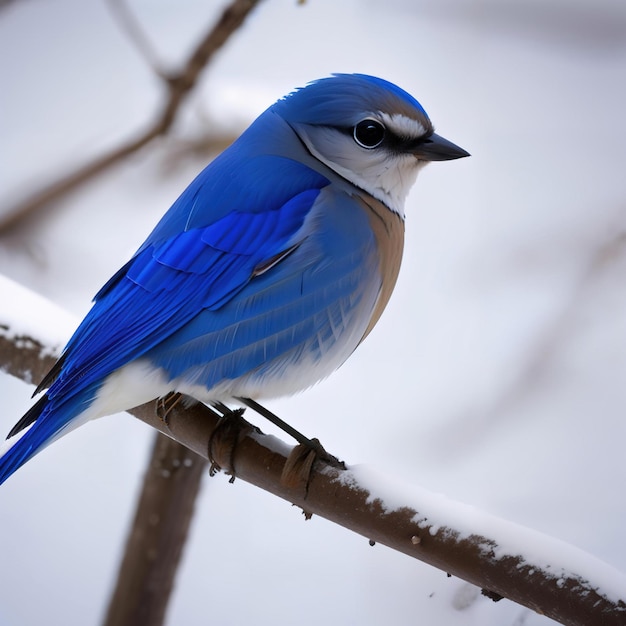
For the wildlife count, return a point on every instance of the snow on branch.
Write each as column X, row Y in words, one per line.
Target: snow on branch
column 503, row 558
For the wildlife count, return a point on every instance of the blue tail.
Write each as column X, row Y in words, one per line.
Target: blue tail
column 44, row 424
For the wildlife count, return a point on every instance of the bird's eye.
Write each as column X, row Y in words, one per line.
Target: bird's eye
column 369, row 133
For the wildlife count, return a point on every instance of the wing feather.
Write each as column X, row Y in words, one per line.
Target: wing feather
column 176, row 275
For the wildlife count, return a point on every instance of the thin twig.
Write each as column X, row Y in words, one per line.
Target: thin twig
column 128, row 22
column 178, row 85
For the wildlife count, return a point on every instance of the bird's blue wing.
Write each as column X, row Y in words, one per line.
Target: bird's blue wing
column 292, row 325
column 239, row 293
column 229, row 235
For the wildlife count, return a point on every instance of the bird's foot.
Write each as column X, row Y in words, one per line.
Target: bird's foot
column 224, row 439
column 299, row 465
column 166, row 404
column 298, row 468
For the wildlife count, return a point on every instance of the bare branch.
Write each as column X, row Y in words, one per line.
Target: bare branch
column 157, row 537
column 179, row 87
column 570, row 597
column 128, row 22
column 5, row 3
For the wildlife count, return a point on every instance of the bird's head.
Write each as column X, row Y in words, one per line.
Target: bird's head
column 369, row 131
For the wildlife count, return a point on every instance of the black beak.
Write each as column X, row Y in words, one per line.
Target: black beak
column 436, row 148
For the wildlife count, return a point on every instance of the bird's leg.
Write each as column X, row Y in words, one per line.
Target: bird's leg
column 225, row 435
column 297, row 470
column 313, row 444
column 166, row 404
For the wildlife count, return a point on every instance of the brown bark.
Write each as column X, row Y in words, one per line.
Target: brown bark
column 157, row 536
column 332, row 492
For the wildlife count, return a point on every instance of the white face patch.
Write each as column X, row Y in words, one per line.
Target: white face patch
column 401, row 125
column 387, row 176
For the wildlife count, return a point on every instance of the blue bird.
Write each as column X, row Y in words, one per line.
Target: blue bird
column 266, row 273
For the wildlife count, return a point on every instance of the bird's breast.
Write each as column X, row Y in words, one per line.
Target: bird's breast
column 388, row 229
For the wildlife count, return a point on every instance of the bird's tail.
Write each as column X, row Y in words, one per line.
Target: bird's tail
column 39, row 427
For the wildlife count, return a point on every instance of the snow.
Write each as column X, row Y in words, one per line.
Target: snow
column 441, row 514
column 495, row 376
column 23, row 312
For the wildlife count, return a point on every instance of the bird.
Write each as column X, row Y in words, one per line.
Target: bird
column 266, row 273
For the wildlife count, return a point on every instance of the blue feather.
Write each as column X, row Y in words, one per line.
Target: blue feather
column 361, row 95
column 298, row 303
column 201, row 268
column 265, row 273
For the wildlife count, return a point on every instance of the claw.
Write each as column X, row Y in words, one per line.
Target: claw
column 224, row 438
column 166, row 404
column 299, row 464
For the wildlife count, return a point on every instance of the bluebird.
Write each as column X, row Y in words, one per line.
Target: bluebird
column 264, row 275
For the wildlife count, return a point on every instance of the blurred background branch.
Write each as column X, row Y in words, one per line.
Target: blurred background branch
column 158, row 535
column 178, row 87
column 129, row 23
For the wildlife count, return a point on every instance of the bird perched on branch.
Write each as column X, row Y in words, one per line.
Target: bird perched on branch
column 266, row 273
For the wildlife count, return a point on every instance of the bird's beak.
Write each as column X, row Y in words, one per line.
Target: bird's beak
column 436, row 148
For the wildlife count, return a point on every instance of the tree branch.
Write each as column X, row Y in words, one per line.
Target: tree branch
column 157, row 537
column 178, row 86
column 455, row 538
column 129, row 23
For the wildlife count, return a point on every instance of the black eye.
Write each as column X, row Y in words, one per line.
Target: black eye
column 369, row 133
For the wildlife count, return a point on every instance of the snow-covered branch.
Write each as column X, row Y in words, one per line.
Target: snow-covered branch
column 503, row 558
